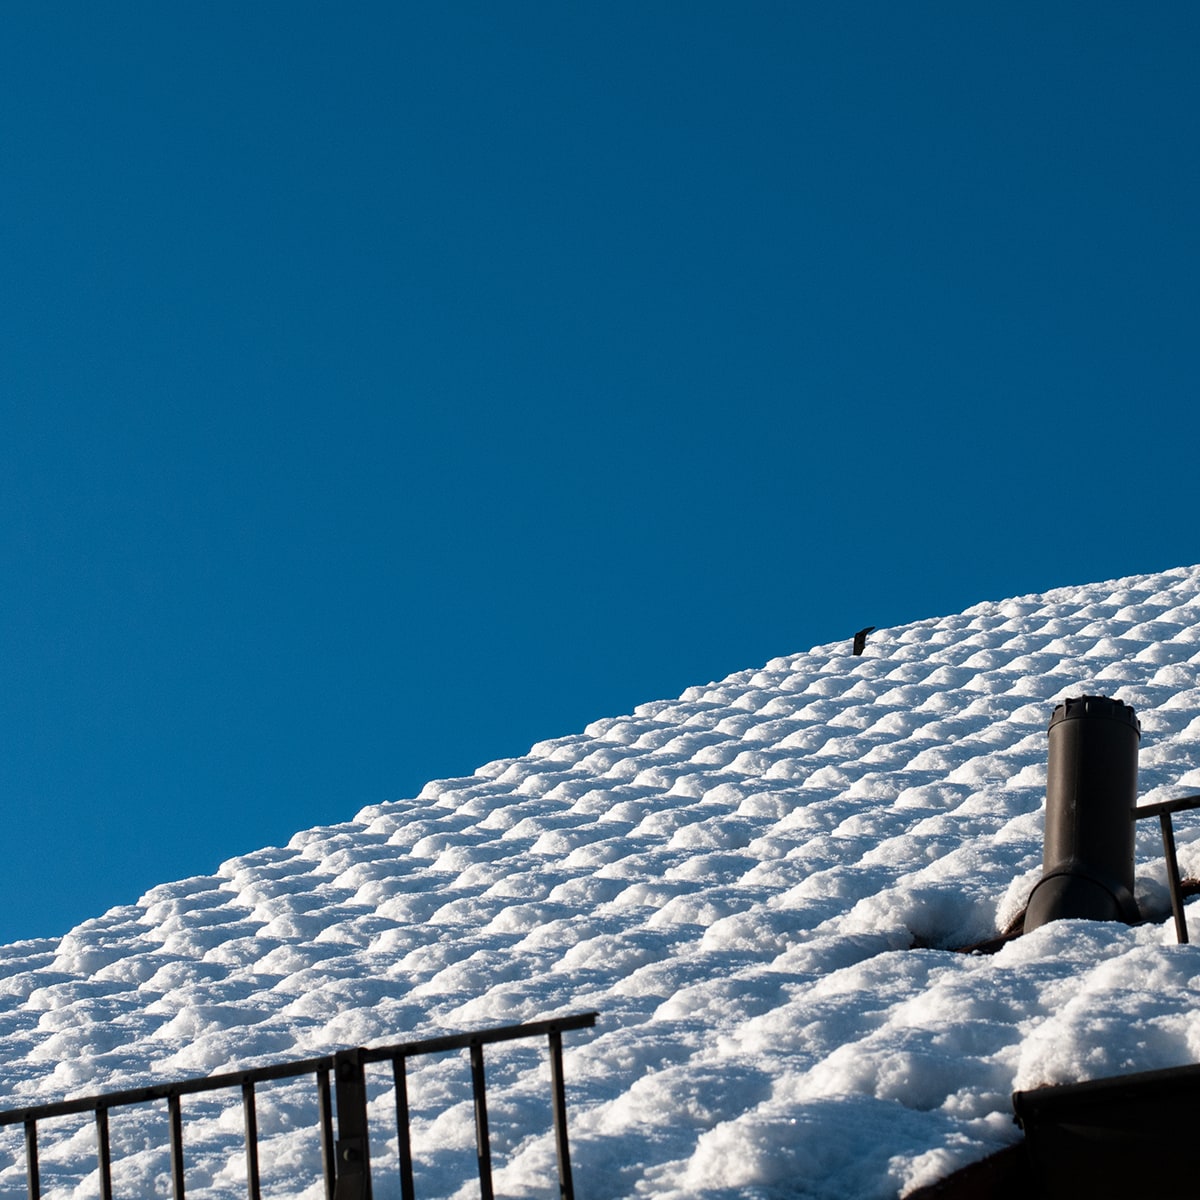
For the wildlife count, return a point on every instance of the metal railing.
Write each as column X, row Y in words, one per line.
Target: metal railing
column 345, row 1153
column 1164, row 811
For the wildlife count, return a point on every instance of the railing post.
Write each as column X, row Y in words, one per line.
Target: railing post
column 403, row 1132
column 103, row 1154
column 1173, row 883
column 175, row 1116
column 250, row 1116
column 483, row 1148
column 566, row 1186
column 353, row 1155
column 325, row 1108
column 32, row 1175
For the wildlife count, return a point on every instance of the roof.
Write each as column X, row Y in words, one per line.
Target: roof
column 754, row 883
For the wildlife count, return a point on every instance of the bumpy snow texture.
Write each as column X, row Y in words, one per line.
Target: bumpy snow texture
column 758, row 886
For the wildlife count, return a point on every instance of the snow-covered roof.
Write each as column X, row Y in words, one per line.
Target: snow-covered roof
column 756, row 884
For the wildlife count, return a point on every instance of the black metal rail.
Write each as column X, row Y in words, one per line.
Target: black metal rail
column 344, row 1148
column 1163, row 811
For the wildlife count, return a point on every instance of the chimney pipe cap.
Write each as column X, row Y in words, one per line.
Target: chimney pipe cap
column 1078, row 707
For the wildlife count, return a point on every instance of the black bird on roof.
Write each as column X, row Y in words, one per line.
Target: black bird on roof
column 860, row 639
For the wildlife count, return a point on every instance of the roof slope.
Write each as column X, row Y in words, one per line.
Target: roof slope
column 734, row 879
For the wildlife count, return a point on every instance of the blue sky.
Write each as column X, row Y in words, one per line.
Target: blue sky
column 385, row 389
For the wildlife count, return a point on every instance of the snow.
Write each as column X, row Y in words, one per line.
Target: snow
column 759, row 886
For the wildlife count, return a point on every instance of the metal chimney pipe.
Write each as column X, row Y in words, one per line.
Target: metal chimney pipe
column 1091, row 789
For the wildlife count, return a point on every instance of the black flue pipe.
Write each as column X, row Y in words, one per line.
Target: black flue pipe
column 1091, row 789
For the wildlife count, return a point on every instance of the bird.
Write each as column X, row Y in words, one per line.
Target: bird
column 860, row 639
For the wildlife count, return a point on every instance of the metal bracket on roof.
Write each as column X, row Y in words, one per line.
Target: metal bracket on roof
column 353, row 1159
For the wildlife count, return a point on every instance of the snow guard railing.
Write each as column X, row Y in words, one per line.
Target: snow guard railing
column 344, row 1154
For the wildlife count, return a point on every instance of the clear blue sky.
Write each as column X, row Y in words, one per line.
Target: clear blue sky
column 385, row 388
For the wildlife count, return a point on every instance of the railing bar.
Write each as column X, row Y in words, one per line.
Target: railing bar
column 32, row 1176
column 1179, row 804
column 483, row 1149
column 164, row 1091
column 291, row 1070
column 176, row 1122
column 566, row 1185
column 103, row 1154
column 325, row 1108
column 250, row 1113
column 485, row 1037
column 403, row 1131
column 1168, row 837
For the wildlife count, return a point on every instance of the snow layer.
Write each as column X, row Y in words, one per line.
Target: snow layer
column 738, row 880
